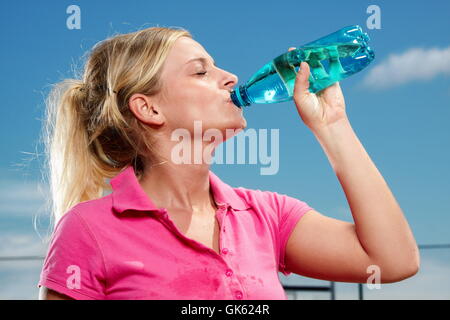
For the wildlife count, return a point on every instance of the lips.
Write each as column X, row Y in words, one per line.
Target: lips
column 232, row 103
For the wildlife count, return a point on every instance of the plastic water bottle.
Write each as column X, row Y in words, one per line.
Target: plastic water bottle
column 331, row 58
column 346, row 34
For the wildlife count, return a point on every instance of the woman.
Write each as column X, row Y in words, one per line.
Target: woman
column 176, row 231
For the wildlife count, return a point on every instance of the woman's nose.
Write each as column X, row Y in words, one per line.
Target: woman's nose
column 232, row 80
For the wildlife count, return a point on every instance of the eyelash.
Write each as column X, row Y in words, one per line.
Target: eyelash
column 201, row 73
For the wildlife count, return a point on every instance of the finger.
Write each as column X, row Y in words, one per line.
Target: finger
column 302, row 80
column 291, row 48
column 331, row 92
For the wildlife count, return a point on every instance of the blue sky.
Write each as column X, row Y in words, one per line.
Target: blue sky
column 399, row 106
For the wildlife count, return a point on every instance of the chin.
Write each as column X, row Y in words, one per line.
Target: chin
column 235, row 126
column 243, row 123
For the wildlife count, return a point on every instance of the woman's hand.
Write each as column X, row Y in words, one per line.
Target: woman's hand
column 319, row 110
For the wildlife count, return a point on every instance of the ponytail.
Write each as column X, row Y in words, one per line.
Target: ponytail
column 75, row 174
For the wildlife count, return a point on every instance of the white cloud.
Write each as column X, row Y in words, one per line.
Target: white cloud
column 20, row 190
column 26, row 224
column 22, row 198
column 19, row 278
column 22, row 244
column 412, row 65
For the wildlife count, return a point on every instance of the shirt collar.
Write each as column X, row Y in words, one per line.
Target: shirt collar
column 128, row 194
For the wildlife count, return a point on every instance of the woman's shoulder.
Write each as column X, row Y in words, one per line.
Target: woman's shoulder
column 92, row 211
column 272, row 201
column 258, row 195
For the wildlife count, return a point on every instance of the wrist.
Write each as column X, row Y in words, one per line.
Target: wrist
column 340, row 144
column 334, row 129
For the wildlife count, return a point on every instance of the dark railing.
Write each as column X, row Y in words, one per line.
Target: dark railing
column 21, row 258
column 330, row 288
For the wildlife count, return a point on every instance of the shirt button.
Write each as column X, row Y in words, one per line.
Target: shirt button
column 239, row 295
column 229, row 273
column 224, row 250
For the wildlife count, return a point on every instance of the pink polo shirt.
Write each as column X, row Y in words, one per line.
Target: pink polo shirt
column 121, row 246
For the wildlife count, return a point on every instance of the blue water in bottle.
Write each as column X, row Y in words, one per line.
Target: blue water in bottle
column 331, row 58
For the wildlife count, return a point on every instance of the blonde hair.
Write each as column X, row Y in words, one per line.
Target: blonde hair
column 90, row 134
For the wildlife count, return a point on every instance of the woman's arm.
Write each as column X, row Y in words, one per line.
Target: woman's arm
column 330, row 249
column 380, row 224
column 380, row 235
column 49, row 294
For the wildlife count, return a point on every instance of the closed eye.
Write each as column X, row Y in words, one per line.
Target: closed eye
column 201, row 73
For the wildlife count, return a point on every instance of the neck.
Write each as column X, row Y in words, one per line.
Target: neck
column 180, row 186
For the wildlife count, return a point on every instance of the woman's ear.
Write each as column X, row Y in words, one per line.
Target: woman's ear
column 146, row 109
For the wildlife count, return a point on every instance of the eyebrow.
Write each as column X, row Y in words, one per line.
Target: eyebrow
column 203, row 60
